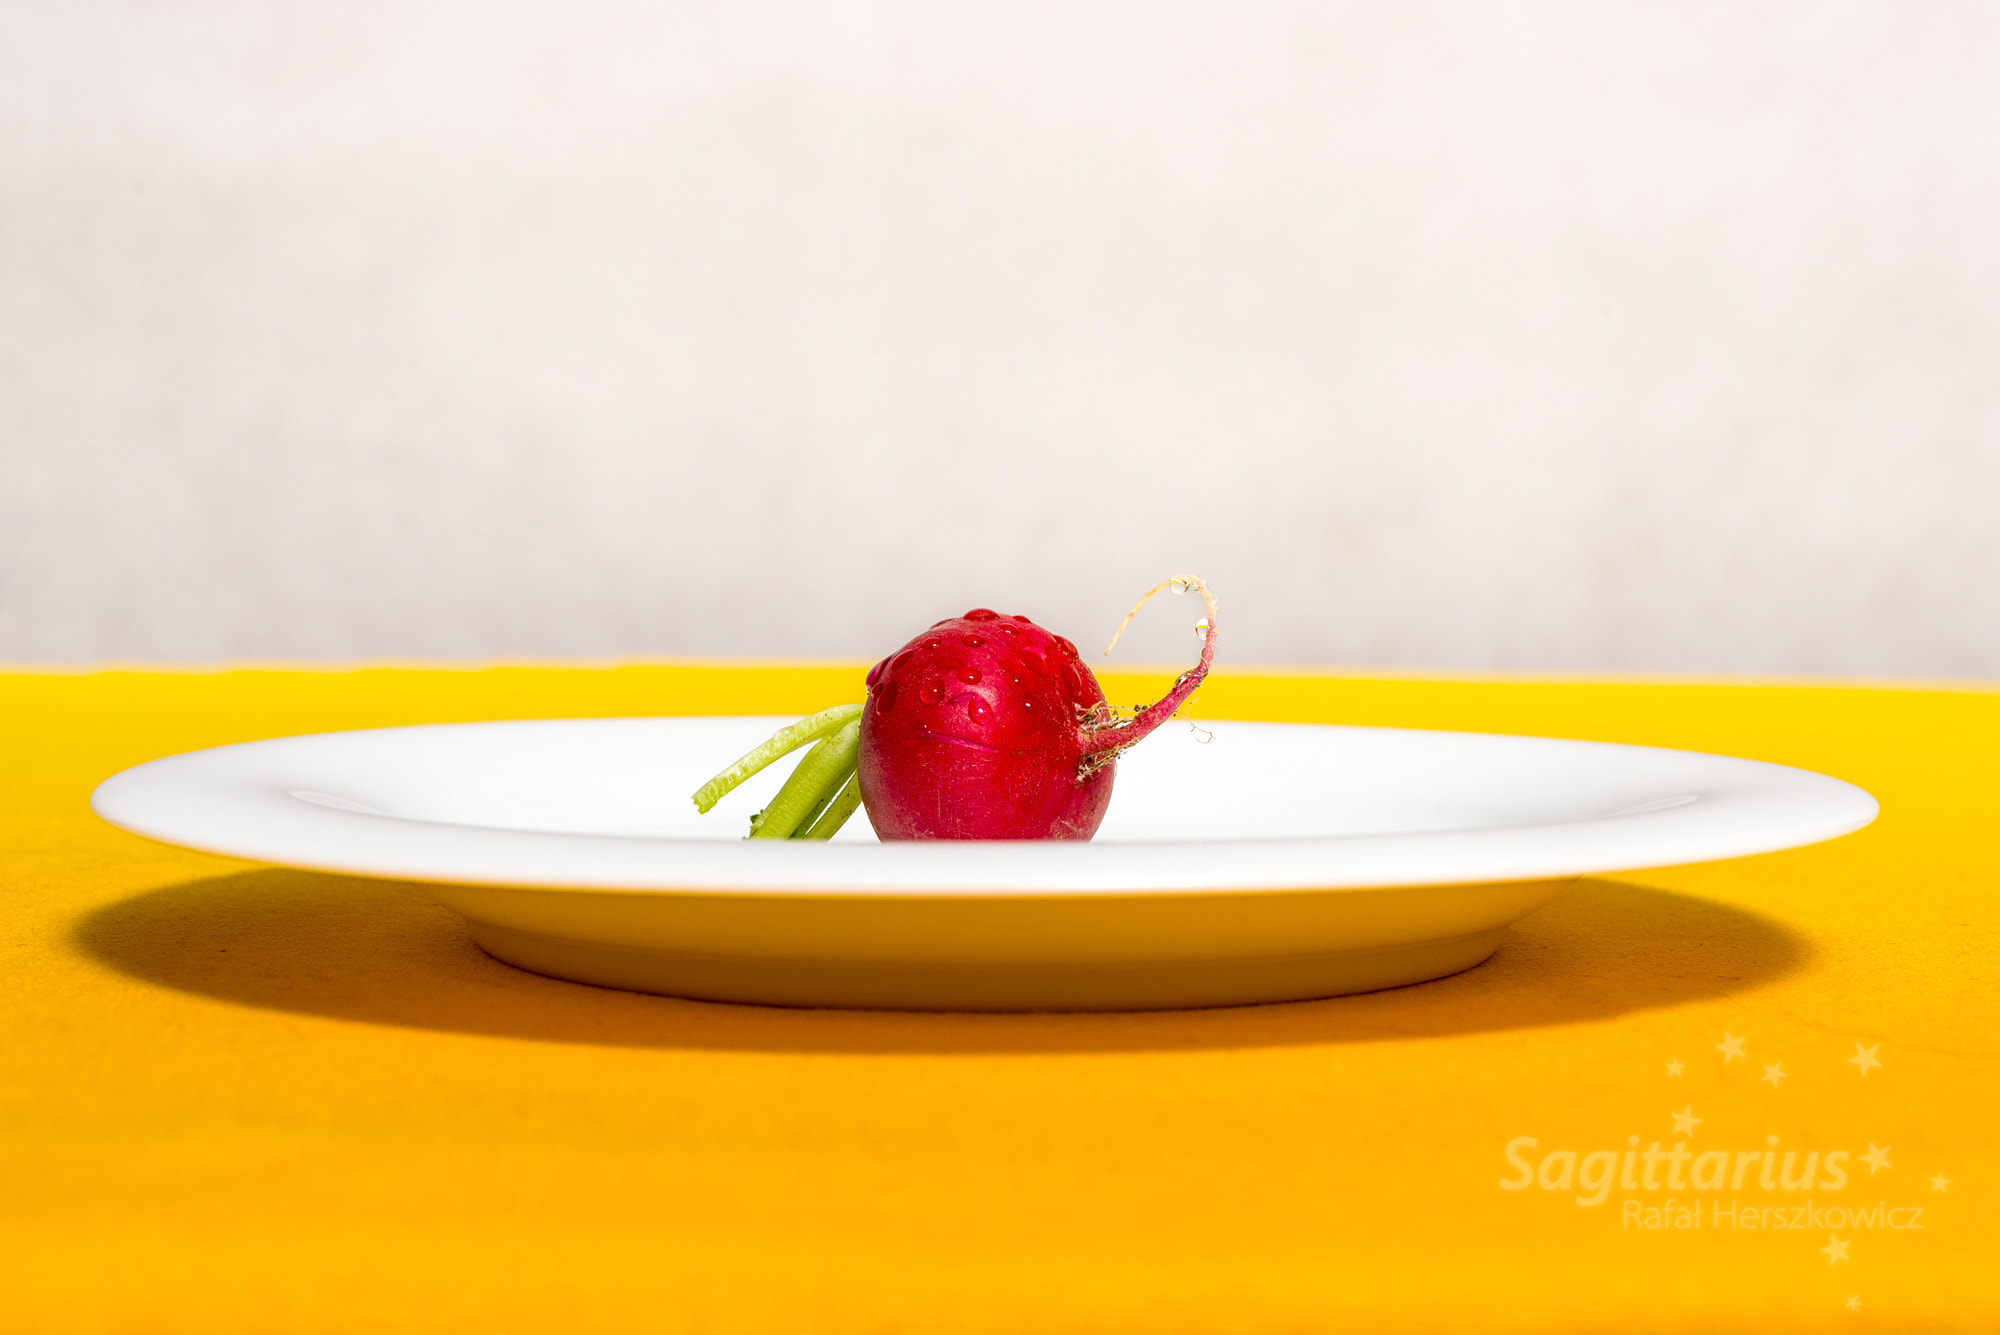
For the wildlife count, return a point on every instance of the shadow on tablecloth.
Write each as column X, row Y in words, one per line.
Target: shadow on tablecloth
column 384, row 952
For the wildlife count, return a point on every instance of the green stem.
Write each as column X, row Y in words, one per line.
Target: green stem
column 820, row 803
column 843, row 805
column 783, row 742
column 821, row 773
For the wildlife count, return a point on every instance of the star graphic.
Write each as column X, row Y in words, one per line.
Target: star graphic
column 1835, row 1249
column 1865, row 1058
column 1876, row 1159
column 1685, row 1121
column 1731, row 1047
column 1774, row 1074
column 1853, row 1301
column 1674, row 1066
column 1940, row 1182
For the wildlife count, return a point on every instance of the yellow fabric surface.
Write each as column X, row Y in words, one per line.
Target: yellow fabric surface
column 238, row 1098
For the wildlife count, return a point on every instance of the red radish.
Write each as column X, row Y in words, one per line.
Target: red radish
column 977, row 729
column 983, row 727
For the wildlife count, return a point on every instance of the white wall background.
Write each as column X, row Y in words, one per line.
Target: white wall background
column 1557, row 336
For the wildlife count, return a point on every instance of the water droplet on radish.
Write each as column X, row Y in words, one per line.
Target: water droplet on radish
column 931, row 694
column 1066, row 646
column 934, row 643
column 969, row 675
column 1201, row 628
column 875, row 673
column 973, row 641
column 977, row 709
column 981, row 614
column 885, row 698
column 902, row 660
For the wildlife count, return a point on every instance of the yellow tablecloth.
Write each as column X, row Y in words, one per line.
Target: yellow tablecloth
column 244, row 1099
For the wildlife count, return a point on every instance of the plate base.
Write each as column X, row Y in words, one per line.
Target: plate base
column 1151, row 986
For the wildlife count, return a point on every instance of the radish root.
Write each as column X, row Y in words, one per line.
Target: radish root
column 1113, row 737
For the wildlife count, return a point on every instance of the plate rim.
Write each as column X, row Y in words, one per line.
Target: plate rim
column 136, row 798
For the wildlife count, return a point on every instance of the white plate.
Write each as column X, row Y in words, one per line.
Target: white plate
column 1246, row 862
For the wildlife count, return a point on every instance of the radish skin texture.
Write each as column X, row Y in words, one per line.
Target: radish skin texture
column 981, row 728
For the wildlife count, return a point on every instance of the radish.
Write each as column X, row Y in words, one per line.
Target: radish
column 983, row 727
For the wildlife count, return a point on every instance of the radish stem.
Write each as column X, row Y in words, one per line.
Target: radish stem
column 813, row 784
column 783, row 742
column 844, row 804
